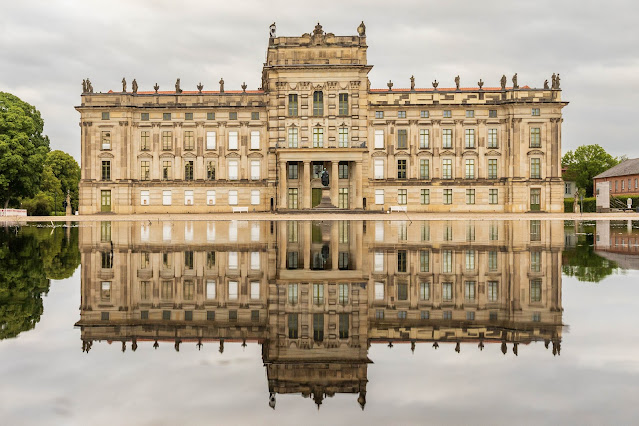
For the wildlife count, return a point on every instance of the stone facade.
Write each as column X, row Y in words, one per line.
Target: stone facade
column 439, row 149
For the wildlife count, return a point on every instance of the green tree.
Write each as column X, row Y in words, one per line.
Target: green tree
column 585, row 163
column 61, row 173
column 23, row 149
column 583, row 263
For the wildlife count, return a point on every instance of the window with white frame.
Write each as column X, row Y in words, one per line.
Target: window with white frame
column 233, row 140
column 379, row 169
column 378, row 261
column 343, row 137
column 255, row 290
column 233, row 290
column 292, row 137
column 255, row 170
column 233, row 169
column 255, row 139
column 447, row 138
column 379, row 231
column 145, row 198
column 470, row 168
column 233, row 198
column 447, row 168
column 447, row 261
column 379, row 196
column 188, row 198
column 211, row 141
column 210, row 231
column 424, row 291
column 318, row 137
column 447, row 292
column 255, row 197
column 233, row 260
column 470, row 138
column 379, row 291
column 255, row 260
column 166, row 198
column 255, row 231
column 210, row 198
column 424, row 138
column 492, row 138
column 210, row 289
column 379, row 139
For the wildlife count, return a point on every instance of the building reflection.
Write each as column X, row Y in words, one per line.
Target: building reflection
column 316, row 295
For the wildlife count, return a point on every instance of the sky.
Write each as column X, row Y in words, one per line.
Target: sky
column 48, row 47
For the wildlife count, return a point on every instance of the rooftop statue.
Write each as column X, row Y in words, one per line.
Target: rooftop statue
column 221, row 85
column 244, row 86
column 156, row 87
column 271, row 30
column 546, row 84
column 435, row 84
column 361, row 30
column 200, row 87
column 457, row 82
column 503, row 82
column 557, row 82
column 123, row 85
column 390, row 85
column 177, row 86
column 134, row 86
column 515, row 85
column 412, row 82
column 84, row 86
column 318, row 30
column 480, row 83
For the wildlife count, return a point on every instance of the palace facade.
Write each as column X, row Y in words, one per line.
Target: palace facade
column 478, row 149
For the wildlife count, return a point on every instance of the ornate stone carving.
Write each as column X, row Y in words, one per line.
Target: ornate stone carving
column 271, row 30
column 177, row 86
column 503, row 82
column 459, row 122
column 457, row 82
column 123, row 85
column 546, row 84
column 221, row 85
column 390, row 85
column 554, row 80
column 436, row 122
column 557, row 82
column 156, row 87
column 134, row 86
column 89, row 86
column 244, row 86
column 515, row 85
column 435, row 84
column 318, row 30
column 84, row 86
column 331, row 84
column 361, row 30
column 412, row 82
column 200, row 87
column 481, row 121
column 480, row 83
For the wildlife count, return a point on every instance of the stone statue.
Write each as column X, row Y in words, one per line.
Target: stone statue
column 244, row 86
column 90, row 86
column 177, row 86
column 515, row 85
column 221, row 85
column 457, row 82
column 361, row 30
column 123, row 85
column 271, row 30
column 318, row 30
column 503, row 82
column 557, row 82
column 390, row 85
column 200, row 87
column 412, row 82
column 480, row 83
column 546, row 84
column 156, row 87
column 435, row 84
column 575, row 202
column 84, row 86
column 325, row 178
column 134, row 86
column 554, row 80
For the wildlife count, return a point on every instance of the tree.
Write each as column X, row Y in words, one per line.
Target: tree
column 23, row 149
column 585, row 163
column 61, row 173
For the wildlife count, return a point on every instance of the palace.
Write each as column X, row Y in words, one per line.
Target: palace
column 478, row 149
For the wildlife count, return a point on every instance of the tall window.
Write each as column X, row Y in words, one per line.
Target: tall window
column 492, row 138
column 255, row 139
column 447, row 168
column 448, row 196
column 493, row 291
column 424, row 168
column 492, row 261
column 424, row 138
column 144, row 141
column 211, row 141
column 401, row 169
column 402, row 196
column 210, row 170
column 166, row 170
column 492, row 168
column 470, row 260
column 318, row 327
column 189, row 140
column 470, row 196
column 343, row 198
column 401, row 260
column 292, row 137
column 379, row 196
column 292, row 294
column 188, row 170
column 318, row 104
column 535, row 168
column 106, row 170
column 424, row 291
column 402, row 139
column 402, row 291
column 167, row 140
column 493, row 196
column 447, row 138
column 343, row 137
column 343, row 294
column 292, row 198
column 255, row 170
column 535, row 137
column 535, row 261
column 292, row 105
column 343, row 170
column 470, row 168
column 447, row 292
column 318, row 294
column 293, row 170
column 470, row 138
column 535, row 230
column 318, row 136
column 293, row 328
column 233, row 140
column 233, row 170
column 343, row 326
column 106, row 140
column 424, row 261
column 469, row 291
column 343, row 104
column 379, row 139
column 535, row 290
column 425, row 196
column 145, row 170
column 379, row 169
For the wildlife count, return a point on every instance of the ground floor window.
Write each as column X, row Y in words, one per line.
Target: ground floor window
column 493, row 196
column 470, row 196
column 343, row 198
column 232, row 198
column 255, row 197
column 402, row 195
column 105, row 200
column 425, row 196
column 379, row 196
column 166, row 198
column 448, row 196
column 292, row 198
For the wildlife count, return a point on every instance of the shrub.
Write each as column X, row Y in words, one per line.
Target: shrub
column 40, row 205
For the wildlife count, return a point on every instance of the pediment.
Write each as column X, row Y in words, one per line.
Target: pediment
column 145, row 155
column 470, row 153
column 210, row 154
column 378, row 154
column 493, row 153
column 233, row 155
column 402, row 152
column 105, row 154
column 424, row 154
column 446, row 152
column 189, row 154
column 167, row 155
column 535, row 152
column 255, row 155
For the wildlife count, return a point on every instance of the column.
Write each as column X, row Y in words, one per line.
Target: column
column 358, row 185
column 334, row 245
column 282, row 186
column 307, row 244
column 306, row 186
column 334, row 182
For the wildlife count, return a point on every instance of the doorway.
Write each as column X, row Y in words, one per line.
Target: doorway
column 316, row 194
column 535, row 199
column 105, row 202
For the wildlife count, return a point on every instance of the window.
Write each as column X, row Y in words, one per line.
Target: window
column 188, row 260
column 447, row 292
column 492, row 113
column 318, row 326
column 493, row 196
column 402, row 139
column 255, row 115
column 401, row 169
column 424, row 114
column 470, row 196
column 535, row 230
column 233, row 315
column 255, row 197
column 424, row 139
column 233, row 115
column 492, row 261
column 493, row 291
column 292, row 294
column 210, row 116
column 447, row 168
column 535, row 261
column 470, row 138
column 424, row 261
column 210, row 259
column 166, row 170
column 379, row 169
column 343, row 104
column 448, row 196
column 144, row 198
column 188, row 116
column 379, row 139
column 292, row 258
column 447, row 113
column 379, row 196
column 535, row 112
column 492, row 168
column 492, row 138
column 470, row 168
column 470, row 260
column 293, row 328
column 255, row 290
column 424, row 291
column 318, row 104
column 425, row 232
column 106, row 140
column 105, row 116
column 255, row 139
column 210, row 170
column 379, row 291
column 166, row 116
column 233, row 170
column 425, row 196
column 105, row 293
column 292, row 105
column 343, row 198
column 470, row 113
column 447, row 261
column 535, row 290
column 210, row 140
column 233, row 198
column 448, row 232
column 470, row 231
column 145, row 290
column 292, row 137
column 343, row 170
column 106, row 170
column 447, row 138
column 318, row 294
column 470, row 315
column 343, row 326
column 535, row 168
column 188, row 198
column 144, row 141
column 293, row 170
column 255, row 170
column 401, row 260
column 188, row 170
column 343, row 137
column 232, row 290
column 292, row 198
column 379, row 114
column 535, row 137
column 318, row 137
column 188, row 289
column 424, row 168
column 402, row 291
column 343, row 294
column 167, row 140
column 469, row 291
column 233, row 140
column 402, row 196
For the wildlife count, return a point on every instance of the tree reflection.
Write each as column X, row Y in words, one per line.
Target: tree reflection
column 583, row 263
column 29, row 258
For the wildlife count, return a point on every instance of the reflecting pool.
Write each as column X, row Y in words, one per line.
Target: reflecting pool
column 282, row 322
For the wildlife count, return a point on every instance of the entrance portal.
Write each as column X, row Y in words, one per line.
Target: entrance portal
column 316, row 196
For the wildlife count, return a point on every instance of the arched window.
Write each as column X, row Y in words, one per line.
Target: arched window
column 318, row 104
